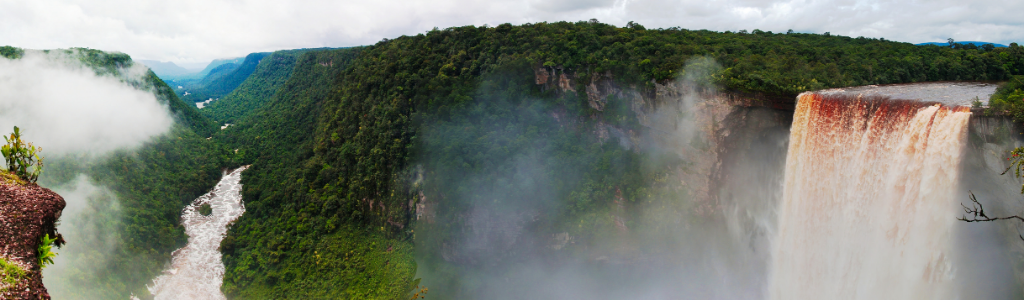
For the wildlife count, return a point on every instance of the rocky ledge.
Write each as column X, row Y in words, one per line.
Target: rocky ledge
column 27, row 213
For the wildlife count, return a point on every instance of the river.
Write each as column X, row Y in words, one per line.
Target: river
column 196, row 270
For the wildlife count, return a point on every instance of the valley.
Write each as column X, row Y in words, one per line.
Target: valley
column 568, row 160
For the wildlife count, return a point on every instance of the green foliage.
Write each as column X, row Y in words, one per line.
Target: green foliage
column 335, row 137
column 338, row 144
column 133, row 229
column 349, row 263
column 22, row 158
column 11, row 52
column 220, row 70
column 45, row 252
column 184, row 113
column 1016, row 164
column 226, row 79
column 128, row 232
column 282, row 218
column 271, row 73
column 10, row 274
column 205, row 209
column 1009, row 97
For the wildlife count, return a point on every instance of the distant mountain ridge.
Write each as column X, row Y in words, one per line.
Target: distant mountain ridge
column 218, row 62
column 170, row 71
column 963, row 42
column 165, row 68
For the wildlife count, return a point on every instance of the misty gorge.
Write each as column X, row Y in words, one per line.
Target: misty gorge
column 564, row 160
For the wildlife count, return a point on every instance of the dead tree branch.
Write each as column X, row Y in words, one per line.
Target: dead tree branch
column 977, row 214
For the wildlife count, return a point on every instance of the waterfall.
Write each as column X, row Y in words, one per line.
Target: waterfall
column 196, row 270
column 869, row 200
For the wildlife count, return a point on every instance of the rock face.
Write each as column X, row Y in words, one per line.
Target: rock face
column 27, row 213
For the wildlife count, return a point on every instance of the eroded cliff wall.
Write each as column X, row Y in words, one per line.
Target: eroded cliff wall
column 27, row 213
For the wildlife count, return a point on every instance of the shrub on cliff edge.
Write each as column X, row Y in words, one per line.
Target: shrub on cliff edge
column 22, row 158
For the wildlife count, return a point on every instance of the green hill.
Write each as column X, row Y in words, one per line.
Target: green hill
column 373, row 164
column 218, row 62
column 137, row 222
column 343, row 152
column 222, row 79
column 266, row 80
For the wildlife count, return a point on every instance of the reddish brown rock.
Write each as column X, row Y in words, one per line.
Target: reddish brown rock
column 27, row 213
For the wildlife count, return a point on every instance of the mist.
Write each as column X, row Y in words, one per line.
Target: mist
column 983, row 250
column 64, row 107
column 89, row 224
column 79, row 115
column 541, row 223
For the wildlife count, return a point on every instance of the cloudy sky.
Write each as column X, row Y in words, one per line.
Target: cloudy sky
column 193, row 32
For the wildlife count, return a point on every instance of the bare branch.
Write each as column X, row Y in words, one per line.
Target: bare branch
column 977, row 214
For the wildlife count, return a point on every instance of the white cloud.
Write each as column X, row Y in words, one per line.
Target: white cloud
column 191, row 31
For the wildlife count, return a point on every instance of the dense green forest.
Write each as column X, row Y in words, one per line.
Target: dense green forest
column 134, row 224
column 1009, row 98
column 346, row 143
column 259, row 88
column 221, row 80
column 455, row 115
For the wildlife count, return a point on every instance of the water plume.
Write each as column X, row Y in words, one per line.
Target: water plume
column 869, row 199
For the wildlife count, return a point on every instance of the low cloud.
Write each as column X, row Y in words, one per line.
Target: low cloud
column 65, row 107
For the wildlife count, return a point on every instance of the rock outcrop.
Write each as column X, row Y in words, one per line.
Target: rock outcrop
column 27, row 213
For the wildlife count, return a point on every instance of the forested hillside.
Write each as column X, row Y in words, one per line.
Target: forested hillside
column 257, row 89
column 127, row 235
column 373, row 164
column 274, row 189
column 221, row 80
column 344, row 152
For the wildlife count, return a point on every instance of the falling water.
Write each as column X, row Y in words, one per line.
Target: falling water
column 869, row 199
column 196, row 270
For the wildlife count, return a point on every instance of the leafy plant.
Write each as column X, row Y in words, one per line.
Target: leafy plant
column 22, row 158
column 45, row 252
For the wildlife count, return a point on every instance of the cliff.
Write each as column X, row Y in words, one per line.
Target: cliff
column 27, row 213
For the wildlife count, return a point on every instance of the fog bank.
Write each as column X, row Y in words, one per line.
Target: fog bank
column 65, row 107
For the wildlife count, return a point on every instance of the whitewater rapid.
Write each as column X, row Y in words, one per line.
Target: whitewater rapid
column 196, row 270
column 869, row 203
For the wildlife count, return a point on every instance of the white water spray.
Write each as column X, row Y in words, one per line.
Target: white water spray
column 196, row 270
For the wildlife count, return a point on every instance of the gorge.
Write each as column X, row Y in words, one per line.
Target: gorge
column 196, row 270
column 551, row 160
